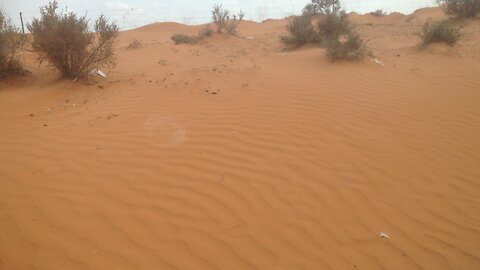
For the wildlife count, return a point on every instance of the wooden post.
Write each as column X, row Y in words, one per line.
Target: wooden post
column 21, row 20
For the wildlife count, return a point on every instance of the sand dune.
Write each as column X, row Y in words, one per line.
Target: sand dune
column 238, row 154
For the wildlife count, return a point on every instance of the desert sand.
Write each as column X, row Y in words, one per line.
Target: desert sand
column 236, row 153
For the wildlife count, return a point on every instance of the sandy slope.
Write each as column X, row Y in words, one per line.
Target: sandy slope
column 237, row 154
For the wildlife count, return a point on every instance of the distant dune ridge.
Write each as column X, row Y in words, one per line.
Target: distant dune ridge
column 235, row 153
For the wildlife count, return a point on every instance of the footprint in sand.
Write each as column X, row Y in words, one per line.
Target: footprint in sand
column 164, row 131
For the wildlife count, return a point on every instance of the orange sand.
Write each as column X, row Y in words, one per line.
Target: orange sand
column 293, row 163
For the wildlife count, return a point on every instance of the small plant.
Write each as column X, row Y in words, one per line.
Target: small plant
column 350, row 47
column 378, row 13
column 225, row 21
column 184, row 39
column 135, row 44
column 300, row 31
column 65, row 41
column 205, row 32
column 442, row 31
column 333, row 25
column 11, row 42
column 321, row 7
column 460, row 8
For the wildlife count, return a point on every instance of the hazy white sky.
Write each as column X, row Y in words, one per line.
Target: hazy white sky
column 134, row 13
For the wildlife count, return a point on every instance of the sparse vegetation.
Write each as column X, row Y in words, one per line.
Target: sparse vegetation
column 225, row 21
column 11, row 42
column 64, row 40
column 350, row 47
column 332, row 25
column 378, row 13
column 135, row 44
column 300, row 31
column 442, row 31
column 322, row 7
column 460, row 8
column 184, row 39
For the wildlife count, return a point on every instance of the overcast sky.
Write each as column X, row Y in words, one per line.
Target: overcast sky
column 134, row 13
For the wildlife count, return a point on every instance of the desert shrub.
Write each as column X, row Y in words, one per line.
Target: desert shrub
column 321, row 7
column 300, row 31
column 184, row 39
column 11, row 43
column 66, row 42
column 332, row 25
column 460, row 8
column 351, row 48
column 205, row 32
column 225, row 21
column 134, row 44
column 378, row 13
column 442, row 31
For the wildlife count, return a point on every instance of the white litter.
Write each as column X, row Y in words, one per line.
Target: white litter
column 101, row 73
column 250, row 38
column 377, row 61
column 384, row 235
column 95, row 72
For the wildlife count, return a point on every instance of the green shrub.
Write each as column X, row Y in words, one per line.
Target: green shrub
column 184, row 39
column 11, row 42
column 332, row 25
column 352, row 48
column 300, row 31
column 321, row 7
column 442, row 31
column 66, row 42
column 225, row 21
column 460, row 8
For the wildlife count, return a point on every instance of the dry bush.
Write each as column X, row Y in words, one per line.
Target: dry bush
column 11, row 43
column 330, row 27
column 205, row 32
column 333, row 25
column 300, row 31
column 184, row 39
column 135, row 44
column 321, row 7
column 225, row 21
column 442, row 31
column 334, row 31
column 460, row 8
column 352, row 48
column 65, row 41
column 378, row 13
